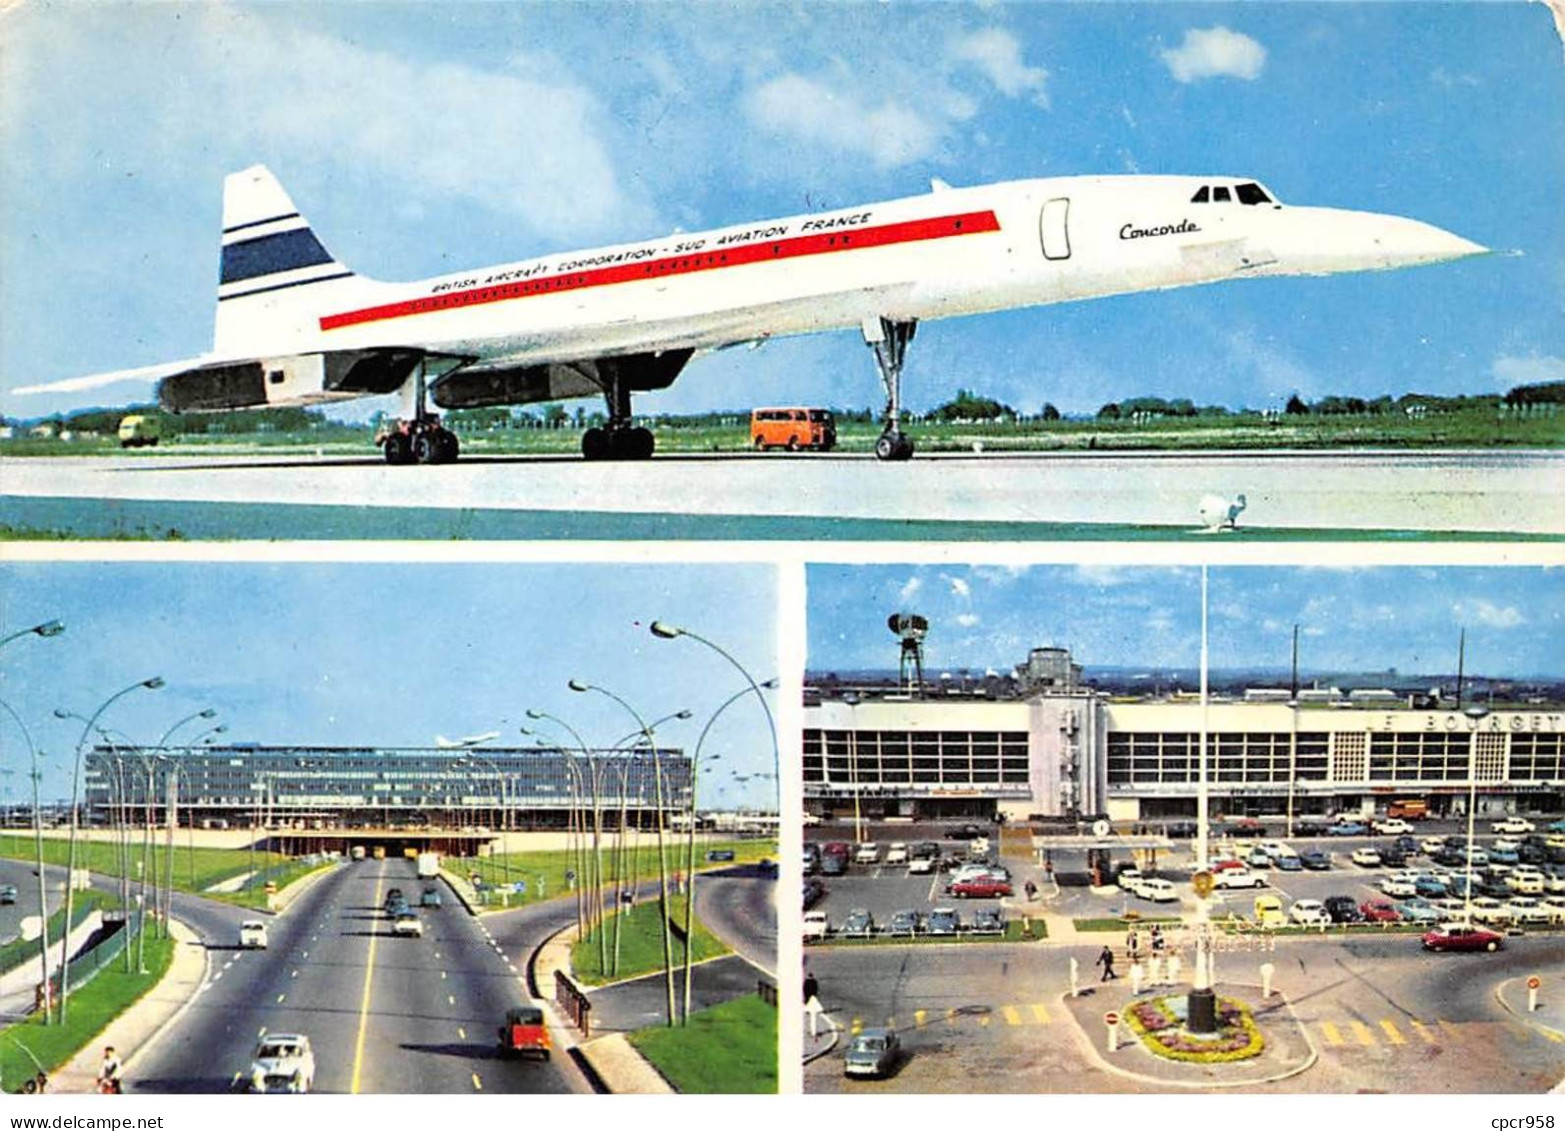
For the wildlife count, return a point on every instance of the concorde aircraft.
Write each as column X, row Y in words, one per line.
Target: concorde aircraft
column 294, row 326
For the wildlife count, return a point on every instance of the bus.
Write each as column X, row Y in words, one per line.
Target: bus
column 793, row 428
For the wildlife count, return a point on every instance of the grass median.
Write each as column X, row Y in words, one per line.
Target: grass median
column 1015, row 932
column 641, row 944
column 20, row 950
column 32, row 1046
column 194, row 871
column 730, row 1048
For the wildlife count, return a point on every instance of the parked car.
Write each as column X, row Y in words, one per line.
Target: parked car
column 897, row 853
column 1389, row 826
column 1309, row 913
column 1504, row 856
column 1432, row 844
column 1491, row 911
column 1528, row 911
column 1128, row 878
column 1460, row 936
column 1238, row 878
column 988, row 921
column 1245, row 826
column 813, row 890
column 964, row 832
column 925, row 850
column 1289, row 862
column 1379, row 911
column 943, row 921
column 834, row 863
column 921, row 865
column 1258, row 859
column 903, row 924
column 1555, row 906
column 1513, row 825
column 282, row 1062
column 816, row 926
column 1399, row 886
column 859, row 924
column 1315, row 860
column 1310, row 826
column 868, row 853
column 874, row 1052
column 719, row 855
column 252, row 935
column 1347, row 828
column 1342, row 909
column 981, row 887
column 1525, row 883
column 1366, row 857
column 1180, row 830
column 812, row 860
column 1419, row 911
column 523, row 1033
column 1156, row 890
column 1392, row 857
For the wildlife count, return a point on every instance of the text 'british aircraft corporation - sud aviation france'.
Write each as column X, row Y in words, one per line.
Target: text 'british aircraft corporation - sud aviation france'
column 296, row 327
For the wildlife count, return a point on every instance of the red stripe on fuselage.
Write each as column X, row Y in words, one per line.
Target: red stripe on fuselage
column 765, row 251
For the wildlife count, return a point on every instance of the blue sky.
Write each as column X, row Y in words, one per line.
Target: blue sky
column 387, row 654
column 1351, row 619
column 425, row 138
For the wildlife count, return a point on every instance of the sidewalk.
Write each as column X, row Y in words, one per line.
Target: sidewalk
column 1549, row 1017
column 139, row 1025
column 827, row 1034
column 621, row 1068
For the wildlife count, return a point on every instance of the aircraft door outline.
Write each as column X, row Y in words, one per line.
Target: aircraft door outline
column 1053, row 228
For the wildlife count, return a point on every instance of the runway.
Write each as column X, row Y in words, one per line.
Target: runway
column 1077, row 496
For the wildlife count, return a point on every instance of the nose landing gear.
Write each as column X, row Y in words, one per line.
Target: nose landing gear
column 889, row 339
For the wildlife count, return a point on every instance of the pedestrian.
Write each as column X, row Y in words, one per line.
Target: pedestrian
column 812, row 988
column 110, row 1073
column 1032, row 891
column 1158, row 941
column 1133, row 944
column 1106, row 960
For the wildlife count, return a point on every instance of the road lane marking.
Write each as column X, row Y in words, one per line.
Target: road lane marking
column 919, row 1016
column 983, row 1020
column 450, row 1000
column 216, row 976
column 1393, row 1034
column 305, row 954
column 1040, row 1013
column 1361, row 1031
column 234, row 1082
column 280, row 998
column 364, row 1007
column 227, row 964
column 1333, row 1035
column 1423, row 1031
column 461, row 1033
column 442, row 975
column 1012, row 1015
column 856, row 1026
column 478, row 1084
column 261, row 1032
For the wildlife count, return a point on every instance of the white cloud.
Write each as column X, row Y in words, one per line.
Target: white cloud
column 959, row 587
column 967, row 620
column 838, row 119
column 1510, row 371
column 1213, row 53
column 1488, row 614
column 909, row 589
column 997, row 54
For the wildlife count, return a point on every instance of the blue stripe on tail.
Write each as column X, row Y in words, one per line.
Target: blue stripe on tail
column 269, row 255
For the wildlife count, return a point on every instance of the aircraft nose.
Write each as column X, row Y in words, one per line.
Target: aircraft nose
column 1369, row 241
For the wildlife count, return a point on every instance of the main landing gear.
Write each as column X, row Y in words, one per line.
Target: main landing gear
column 420, row 438
column 889, row 339
column 620, row 440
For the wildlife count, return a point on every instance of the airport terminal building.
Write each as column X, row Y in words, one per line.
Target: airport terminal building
column 321, row 787
column 1057, row 749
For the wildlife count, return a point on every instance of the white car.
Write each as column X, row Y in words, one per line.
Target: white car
column 1513, row 825
column 252, row 935
column 1129, row 878
column 1555, row 906
column 897, row 853
column 1390, row 826
column 1525, row 883
column 1399, row 886
column 868, row 853
column 920, row 866
column 1431, row 844
column 1506, row 844
column 1309, row 913
column 1529, row 911
column 1366, row 857
column 283, row 1062
column 1238, row 878
column 1491, row 911
column 1275, row 848
column 1157, row 890
column 408, row 923
column 816, row 926
column 1477, row 855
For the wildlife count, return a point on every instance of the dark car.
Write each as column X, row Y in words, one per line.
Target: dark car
column 859, row 924
column 1393, row 858
column 904, row 923
column 1288, row 863
column 966, row 832
column 1245, row 826
column 1180, row 830
column 1310, row 826
column 1315, row 860
column 874, row 1052
column 430, row 897
column 1406, row 844
column 988, row 921
column 1458, row 936
column 833, row 864
column 942, row 921
column 719, row 855
column 924, row 850
column 1533, row 854
column 8, row 893
column 1504, row 856
column 394, row 896
column 1429, row 887
column 1342, row 909
column 813, row 890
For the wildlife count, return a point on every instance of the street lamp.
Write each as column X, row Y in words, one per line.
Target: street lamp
column 173, row 819
column 596, row 915
column 665, row 631
column 472, row 758
column 657, row 774
column 690, row 857
column 43, row 901
column 152, row 684
column 46, row 629
column 1475, row 713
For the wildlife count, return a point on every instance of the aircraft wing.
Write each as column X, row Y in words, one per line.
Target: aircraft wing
column 145, row 374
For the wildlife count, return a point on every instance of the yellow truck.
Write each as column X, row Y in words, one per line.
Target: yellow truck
column 140, row 431
column 1268, row 912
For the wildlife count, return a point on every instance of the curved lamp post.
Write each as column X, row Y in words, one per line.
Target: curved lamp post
column 657, row 776
column 152, row 684
column 665, row 631
column 690, row 856
column 119, row 744
column 471, row 757
column 46, row 629
column 43, row 900
column 594, row 778
column 179, row 771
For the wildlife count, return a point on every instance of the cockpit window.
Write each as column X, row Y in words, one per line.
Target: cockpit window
column 1202, row 195
column 1252, row 193
column 1220, row 193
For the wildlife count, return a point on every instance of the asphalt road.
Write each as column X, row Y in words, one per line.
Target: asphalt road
column 20, row 873
column 384, row 1014
column 1383, row 1015
column 1131, row 495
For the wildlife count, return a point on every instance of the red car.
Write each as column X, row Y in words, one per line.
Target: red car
column 1224, row 865
column 983, row 887
column 525, row 1033
column 1379, row 911
column 1458, row 936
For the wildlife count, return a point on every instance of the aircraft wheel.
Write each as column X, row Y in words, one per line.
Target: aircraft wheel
column 904, row 447
column 640, row 443
column 886, row 446
column 397, row 450
column 447, row 447
column 426, row 447
column 596, row 443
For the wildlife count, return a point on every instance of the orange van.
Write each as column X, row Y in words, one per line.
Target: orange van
column 793, row 428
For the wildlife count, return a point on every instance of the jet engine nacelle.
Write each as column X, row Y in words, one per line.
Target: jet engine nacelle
column 482, row 388
column 294, row 379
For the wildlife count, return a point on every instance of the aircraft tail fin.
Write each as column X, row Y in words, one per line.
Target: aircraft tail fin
column 275, row 275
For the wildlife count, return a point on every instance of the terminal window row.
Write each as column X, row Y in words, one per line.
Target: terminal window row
column 914, row 757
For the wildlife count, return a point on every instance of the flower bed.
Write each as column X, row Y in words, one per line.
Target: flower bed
column 1160, row 1024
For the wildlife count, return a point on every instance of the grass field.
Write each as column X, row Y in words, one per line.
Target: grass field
column 727, row 1049
column 544, row 872
column 25, row 1046
column 641, row 944
column 20, row 950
